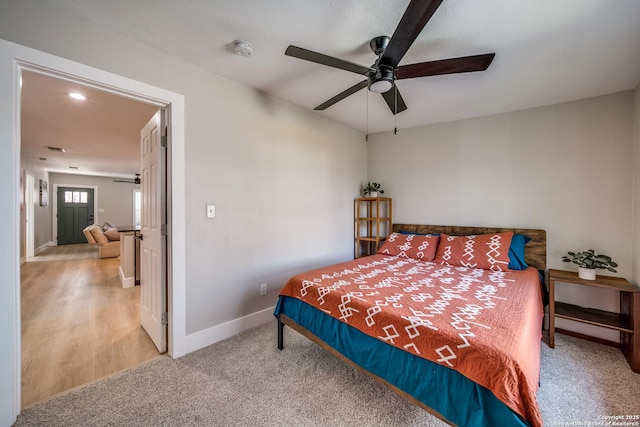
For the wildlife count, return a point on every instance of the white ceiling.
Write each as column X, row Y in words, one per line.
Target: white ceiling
column 547, row 51
column 100, row 136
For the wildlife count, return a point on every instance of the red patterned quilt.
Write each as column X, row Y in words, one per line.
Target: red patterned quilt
column 484, row 324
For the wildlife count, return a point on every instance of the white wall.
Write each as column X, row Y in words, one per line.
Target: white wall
column 564, row 168
column 636, row 187
column 283, row 179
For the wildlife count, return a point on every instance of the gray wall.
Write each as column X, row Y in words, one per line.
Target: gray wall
column 565, row 168
column 115, row 199
column 115, row 202
column 42, row 214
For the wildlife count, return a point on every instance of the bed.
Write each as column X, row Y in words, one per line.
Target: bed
column 442, row 315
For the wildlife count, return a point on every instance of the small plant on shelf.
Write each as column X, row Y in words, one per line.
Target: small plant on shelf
column 589, row 260
column 372, row 189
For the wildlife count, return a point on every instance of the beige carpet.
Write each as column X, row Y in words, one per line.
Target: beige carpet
column 246, row 381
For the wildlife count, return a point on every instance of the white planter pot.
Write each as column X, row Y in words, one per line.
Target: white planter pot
column 373, row 194
column 587, row 273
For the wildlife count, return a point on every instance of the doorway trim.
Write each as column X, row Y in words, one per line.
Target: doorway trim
column 54, row 207
column 13, row 59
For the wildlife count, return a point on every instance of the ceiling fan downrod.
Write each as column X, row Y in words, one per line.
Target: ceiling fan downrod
column 379, row 44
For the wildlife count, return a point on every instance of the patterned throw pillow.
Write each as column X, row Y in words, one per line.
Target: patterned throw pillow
column 417, row 246
column 485, row 251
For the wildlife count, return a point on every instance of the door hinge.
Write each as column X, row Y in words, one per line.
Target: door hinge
column 165, row 318
column 163, row 229
column 163, row 140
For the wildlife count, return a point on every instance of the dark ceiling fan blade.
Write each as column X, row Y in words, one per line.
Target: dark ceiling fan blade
column 319, row 58
column 342, row 95
column 413, row 21
column 135, row 180
column 393, row 95
column 463, row 64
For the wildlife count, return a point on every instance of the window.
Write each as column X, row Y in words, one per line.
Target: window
column 137, row 208
column 76, row 197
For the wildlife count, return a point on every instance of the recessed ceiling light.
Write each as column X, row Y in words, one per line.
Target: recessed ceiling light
column 78, row 96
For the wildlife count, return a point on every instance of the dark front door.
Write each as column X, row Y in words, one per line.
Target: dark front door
column 75, row 212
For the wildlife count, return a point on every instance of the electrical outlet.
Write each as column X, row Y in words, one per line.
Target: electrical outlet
column 263, row 289
column 211, row 211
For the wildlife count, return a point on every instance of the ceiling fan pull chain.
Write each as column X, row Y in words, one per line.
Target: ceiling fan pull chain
column 366, row 138
column 395, row 114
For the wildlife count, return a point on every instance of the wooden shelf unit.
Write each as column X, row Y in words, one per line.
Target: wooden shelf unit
column 627, row 322
column 593, row 316
column 372, row 222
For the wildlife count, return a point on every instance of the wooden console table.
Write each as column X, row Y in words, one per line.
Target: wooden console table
column 627, row 321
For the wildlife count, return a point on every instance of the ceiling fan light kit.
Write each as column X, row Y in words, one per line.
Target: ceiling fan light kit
column 382, row 75
column 381, row 80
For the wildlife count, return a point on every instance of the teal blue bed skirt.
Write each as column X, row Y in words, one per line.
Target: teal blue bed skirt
column 459, row 400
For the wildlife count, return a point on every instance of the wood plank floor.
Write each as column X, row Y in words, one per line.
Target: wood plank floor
column 78, row 323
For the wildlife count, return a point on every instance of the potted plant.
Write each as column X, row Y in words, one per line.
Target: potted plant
column 588, row 261
column 372, row 189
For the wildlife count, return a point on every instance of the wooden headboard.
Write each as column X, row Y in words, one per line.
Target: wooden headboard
column 535, row 252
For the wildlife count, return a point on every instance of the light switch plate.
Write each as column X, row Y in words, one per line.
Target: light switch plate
column 211, row 211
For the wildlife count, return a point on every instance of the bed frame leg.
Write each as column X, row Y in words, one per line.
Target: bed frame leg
column 280, row 334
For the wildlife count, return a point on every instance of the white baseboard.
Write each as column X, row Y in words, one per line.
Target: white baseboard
column 36, row 251
column 226, row 330
column 127, row 282
column 43, row 247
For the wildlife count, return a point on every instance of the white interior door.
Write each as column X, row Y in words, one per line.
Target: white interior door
column 153, row 294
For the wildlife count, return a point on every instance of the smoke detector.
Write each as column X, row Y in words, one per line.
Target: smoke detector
column 242, row 47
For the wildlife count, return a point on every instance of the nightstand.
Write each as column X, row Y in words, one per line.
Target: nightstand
column 627, row 321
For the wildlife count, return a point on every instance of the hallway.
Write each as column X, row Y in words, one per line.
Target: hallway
column 78, row 323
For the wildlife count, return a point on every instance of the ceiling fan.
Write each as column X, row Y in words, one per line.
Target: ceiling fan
column 135, row 180
column 382, row 75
